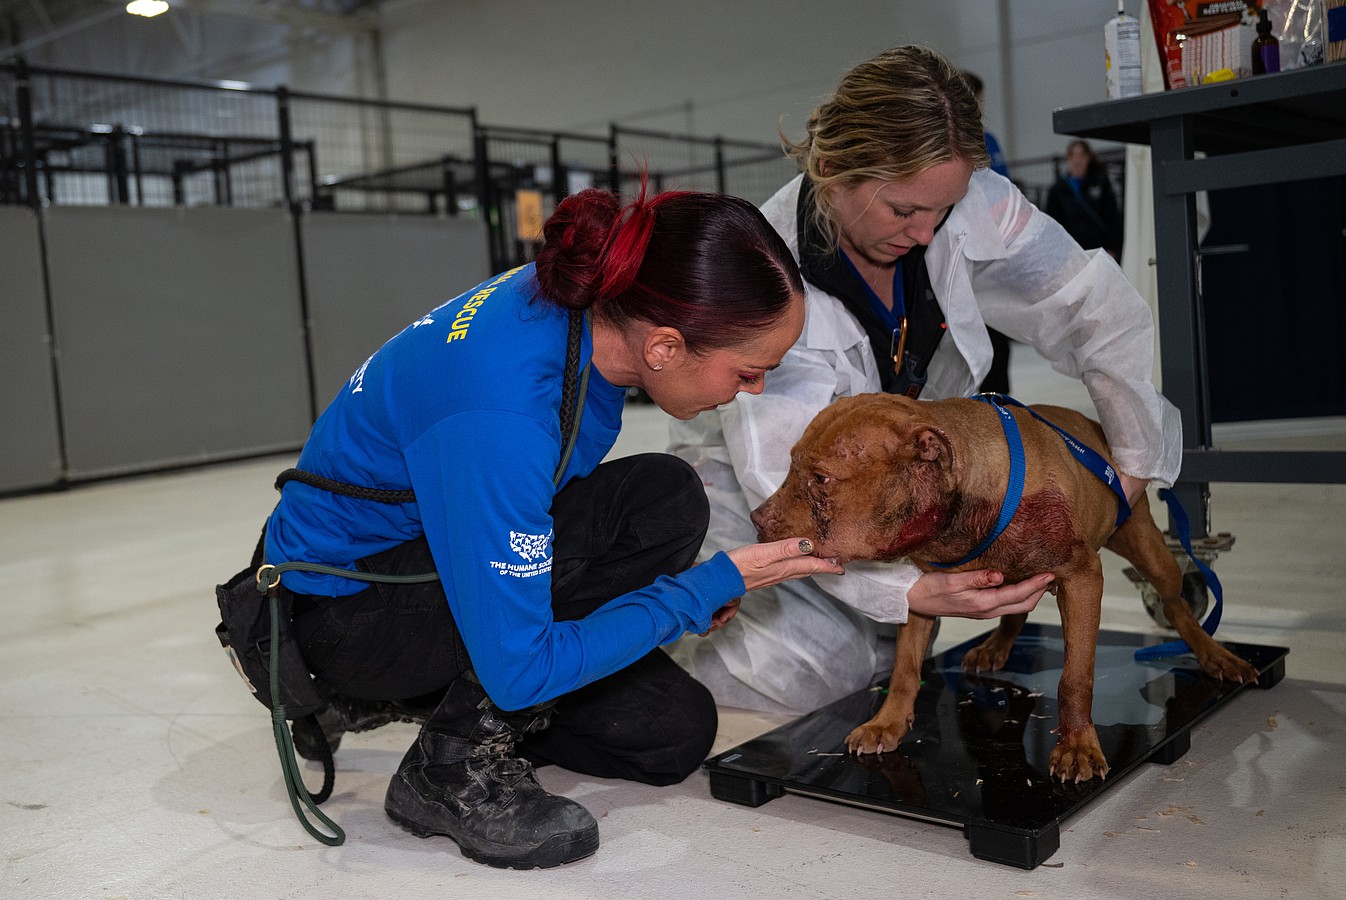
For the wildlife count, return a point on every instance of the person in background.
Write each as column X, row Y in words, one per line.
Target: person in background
column 997, row 164
column 1083, row 201
column 559, row 574
column 896, row 216
column 997, row 377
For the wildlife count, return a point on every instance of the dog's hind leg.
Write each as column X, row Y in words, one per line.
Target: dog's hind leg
column 1141, row 543
column 885, row 731
column 990, row 654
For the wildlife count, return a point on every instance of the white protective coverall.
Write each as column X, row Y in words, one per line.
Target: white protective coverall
column 996, row 261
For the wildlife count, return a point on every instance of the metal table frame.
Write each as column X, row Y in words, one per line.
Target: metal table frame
column 1266, row 129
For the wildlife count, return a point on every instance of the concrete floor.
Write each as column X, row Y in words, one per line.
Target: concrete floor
column 134, row 765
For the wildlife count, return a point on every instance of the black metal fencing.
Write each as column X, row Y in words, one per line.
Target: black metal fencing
column 375, row 156
column 11, row 150
column 525, row 173
column 81, row 138
column 745, row 169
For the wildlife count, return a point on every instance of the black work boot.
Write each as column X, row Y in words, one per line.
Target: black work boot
column 461, row 778
column 343, row 714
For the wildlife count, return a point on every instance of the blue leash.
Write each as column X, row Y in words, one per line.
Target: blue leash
column 1184, row 529
column 1084, row 455
column 1095, row 463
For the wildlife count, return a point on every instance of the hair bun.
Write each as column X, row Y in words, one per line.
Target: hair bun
column 569, row 266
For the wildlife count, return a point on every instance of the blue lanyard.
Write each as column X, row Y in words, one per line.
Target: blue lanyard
column 1085, row 456
column 895, row 319
column 1014, row 489
column 1099, row 466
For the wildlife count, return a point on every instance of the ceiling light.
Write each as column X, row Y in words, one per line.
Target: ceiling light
column 146, row 8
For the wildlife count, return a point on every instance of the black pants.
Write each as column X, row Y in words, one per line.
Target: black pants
column 632, row 520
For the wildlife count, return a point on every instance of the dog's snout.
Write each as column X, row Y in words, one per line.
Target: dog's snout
column 763, row 521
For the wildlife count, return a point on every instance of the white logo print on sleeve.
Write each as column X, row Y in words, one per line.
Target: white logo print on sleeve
column 529, row 546
column 535, row 550
column 357, row 381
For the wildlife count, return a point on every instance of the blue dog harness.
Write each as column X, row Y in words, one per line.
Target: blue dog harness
column 1015, row 489
column 1100, row 467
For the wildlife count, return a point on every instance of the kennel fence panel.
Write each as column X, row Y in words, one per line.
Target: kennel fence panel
column 101, row 140
column 377, row 156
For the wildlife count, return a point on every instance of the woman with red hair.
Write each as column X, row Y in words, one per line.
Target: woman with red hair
column 482, row 429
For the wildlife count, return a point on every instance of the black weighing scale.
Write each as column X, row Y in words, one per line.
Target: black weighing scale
column 977, row 755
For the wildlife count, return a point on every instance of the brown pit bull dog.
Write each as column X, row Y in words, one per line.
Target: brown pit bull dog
column 883, row 477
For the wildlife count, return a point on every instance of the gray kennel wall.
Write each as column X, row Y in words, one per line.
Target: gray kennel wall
column 30, row 450
column 179, row 335
column 369, row 276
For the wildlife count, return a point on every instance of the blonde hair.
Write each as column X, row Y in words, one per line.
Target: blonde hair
column 891, row 117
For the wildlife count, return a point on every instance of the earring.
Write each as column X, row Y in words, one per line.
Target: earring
column 659, row 368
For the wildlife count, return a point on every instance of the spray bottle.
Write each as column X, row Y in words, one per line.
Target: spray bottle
column 1121, row 53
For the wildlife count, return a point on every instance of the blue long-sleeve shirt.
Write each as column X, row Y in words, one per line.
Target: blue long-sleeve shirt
column 463, row 408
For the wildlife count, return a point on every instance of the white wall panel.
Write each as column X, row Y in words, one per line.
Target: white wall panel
column 738, row 70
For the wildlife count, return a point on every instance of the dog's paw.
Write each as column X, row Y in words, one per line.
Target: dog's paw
column 988, row 657
column 1227, row 666
column 875, row 737
column 1079, row 758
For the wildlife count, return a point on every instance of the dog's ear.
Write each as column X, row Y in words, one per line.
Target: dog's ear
column 933, row 445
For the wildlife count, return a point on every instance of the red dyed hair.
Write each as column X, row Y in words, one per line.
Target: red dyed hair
column 709, row 265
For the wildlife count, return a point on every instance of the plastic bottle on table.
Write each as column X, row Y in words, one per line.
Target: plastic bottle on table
column 1121, row 53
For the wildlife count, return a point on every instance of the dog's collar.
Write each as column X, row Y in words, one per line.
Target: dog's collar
column 1084, row 455
column 1100, row 467
column 1014, row 490
column 1015, row 487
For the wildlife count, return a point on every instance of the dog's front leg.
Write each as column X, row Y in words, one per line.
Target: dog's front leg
column 1078, row 756
column 885, row 731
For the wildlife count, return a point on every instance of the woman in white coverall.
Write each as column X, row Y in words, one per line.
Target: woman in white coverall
column 900, row 227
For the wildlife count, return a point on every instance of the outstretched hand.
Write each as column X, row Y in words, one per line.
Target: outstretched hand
column 979, row 594
column 763, row 565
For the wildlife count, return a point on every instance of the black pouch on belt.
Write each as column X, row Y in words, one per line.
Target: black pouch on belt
column 245, row 633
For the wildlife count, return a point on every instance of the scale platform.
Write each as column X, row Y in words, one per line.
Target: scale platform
column 977, row 755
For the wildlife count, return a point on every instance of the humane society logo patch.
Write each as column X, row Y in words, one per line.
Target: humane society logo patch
column 534, row 549
column 529, row 546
